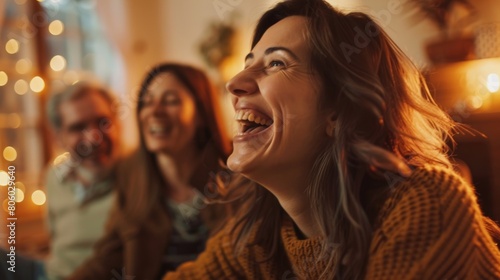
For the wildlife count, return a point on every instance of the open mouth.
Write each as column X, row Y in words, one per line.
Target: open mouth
column 158, row 129
column 252, row 122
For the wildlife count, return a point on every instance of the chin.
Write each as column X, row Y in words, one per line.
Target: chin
column 243, row 166
column 233, row 165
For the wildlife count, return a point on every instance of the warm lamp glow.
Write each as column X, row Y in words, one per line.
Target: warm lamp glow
column 37, row 84
column 21, row 87
column 9, row 153
column 38, row 197
column 493, row 82
column 3, row 78
column 12, row 46
column 23, row 66
column 57, row 63
column 56, row 27
column 4, row 178
column 19, row 195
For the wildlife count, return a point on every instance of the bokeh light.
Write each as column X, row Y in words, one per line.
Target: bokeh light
column 21, row 87
column 475, row 102
column 57, row 63
column 493, row 82
column 12, row 46
column 23, row 66
column 37, row 84
column 4, row 178
column 3, row 78
column 56, row 27
column 9, row 153
column 19, row 195
column 38, row 197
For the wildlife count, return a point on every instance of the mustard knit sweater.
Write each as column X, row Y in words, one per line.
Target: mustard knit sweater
column 430, row 227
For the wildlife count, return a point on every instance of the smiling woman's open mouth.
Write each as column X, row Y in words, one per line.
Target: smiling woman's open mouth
column 252, row 122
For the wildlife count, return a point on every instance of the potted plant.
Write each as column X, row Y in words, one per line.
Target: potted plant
column 451, row 17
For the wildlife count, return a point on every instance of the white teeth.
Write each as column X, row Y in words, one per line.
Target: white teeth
column 157, row 128
column 250, row 116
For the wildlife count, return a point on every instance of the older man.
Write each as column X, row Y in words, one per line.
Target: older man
column 79, row 187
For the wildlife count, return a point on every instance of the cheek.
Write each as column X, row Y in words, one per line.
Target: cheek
column 142, row 116
column 187, row 115
column 72, row 140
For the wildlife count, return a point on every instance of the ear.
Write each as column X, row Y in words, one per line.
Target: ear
column 331, row 120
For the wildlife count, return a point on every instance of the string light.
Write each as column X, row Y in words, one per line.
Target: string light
column 23, row 66
column 21, row 87
column 38, row 197
column 12, row 46
column 3, row 78
column 9, row 153
column 56, row 27
column 19, row 195
column 4, row 178
column 57, row 63
column 37, row 84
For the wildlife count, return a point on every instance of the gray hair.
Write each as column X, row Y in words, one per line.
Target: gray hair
column 72, row 92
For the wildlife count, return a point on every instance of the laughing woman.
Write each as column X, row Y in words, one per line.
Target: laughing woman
column 346, row 158
column 160, row 219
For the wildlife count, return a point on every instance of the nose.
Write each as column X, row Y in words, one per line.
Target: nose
column 243, row 83
column 158, row 108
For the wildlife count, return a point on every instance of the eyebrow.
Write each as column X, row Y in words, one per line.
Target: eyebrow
column 270, row 50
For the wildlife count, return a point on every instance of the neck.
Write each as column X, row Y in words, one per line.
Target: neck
column 298, row 208
column 294, row 200
column 177, row 171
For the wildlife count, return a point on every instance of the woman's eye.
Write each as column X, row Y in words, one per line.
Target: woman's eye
column 171, row 100
column 276, row 63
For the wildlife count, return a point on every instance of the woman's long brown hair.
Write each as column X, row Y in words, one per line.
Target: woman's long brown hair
column 385, row 119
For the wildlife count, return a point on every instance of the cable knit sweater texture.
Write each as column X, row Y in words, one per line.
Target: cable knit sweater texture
column 430, row 227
